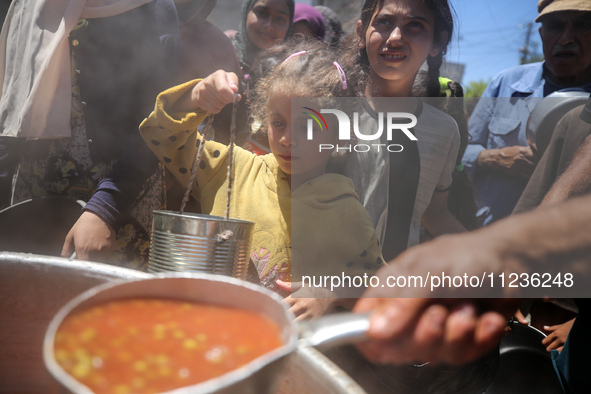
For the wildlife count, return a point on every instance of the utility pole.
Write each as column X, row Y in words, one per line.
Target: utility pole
column 525, row 50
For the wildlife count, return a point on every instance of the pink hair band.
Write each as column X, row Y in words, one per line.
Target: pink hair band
column 294, row 55
column 341, row 74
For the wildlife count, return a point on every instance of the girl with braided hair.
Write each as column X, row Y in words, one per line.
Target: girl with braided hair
column 408, row 189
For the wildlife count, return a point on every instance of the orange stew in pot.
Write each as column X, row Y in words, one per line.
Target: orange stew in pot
column 153, row 345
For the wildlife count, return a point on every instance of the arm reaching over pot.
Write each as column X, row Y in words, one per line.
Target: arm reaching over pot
column 455, row 330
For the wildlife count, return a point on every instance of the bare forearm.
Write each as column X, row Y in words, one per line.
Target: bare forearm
column 405, row 329
column 576, row 179
column 514, row 160
column 486, row 159
column 552, row 239
column 185, row 103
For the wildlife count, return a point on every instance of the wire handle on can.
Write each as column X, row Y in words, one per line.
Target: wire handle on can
column 230, row 162
column 196, row 163
column 231, row 153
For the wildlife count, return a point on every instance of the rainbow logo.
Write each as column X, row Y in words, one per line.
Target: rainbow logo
column 317, row 117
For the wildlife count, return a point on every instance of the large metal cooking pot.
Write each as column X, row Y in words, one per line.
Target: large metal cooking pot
column 32, row 290
column 524, row 365
column 258, row 376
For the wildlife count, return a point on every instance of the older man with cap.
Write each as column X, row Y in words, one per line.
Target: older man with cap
column 498, row 158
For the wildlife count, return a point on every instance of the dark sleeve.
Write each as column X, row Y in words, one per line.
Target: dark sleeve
column 156, row 59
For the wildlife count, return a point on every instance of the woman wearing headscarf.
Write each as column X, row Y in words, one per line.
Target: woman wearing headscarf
column 264, row 23
column 308, row 21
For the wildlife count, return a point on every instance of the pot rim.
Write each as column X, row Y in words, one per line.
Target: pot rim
column 192, row 216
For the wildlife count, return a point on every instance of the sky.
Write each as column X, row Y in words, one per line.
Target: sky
column 489, row 35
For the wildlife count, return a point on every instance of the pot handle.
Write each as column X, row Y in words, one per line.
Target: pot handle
column 333, row 330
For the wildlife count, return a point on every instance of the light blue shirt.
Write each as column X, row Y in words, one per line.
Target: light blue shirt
column 499, row 120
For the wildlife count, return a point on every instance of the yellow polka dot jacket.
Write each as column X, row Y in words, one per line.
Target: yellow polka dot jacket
column 317, row 231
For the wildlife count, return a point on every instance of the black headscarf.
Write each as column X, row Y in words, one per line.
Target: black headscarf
column 245, row 49
column 334, row 30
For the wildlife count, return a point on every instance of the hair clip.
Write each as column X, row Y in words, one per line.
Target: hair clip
column 294, row 55
column 341, row 75
column 444, row 84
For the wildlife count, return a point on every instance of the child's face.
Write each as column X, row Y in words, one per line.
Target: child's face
column 398, row 40
column 296, row 154
column 267, row 23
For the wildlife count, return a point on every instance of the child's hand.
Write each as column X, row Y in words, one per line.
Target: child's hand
column 215, row 92
column 557, row 337
column 307, row 308
column 521, row 318
column 91, row 238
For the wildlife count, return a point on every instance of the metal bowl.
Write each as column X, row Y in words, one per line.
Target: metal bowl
column 524, row 366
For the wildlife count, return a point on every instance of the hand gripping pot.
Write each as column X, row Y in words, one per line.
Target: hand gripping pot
column 257, row 376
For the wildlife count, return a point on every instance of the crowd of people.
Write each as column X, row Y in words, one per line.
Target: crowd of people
column 105, row 101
